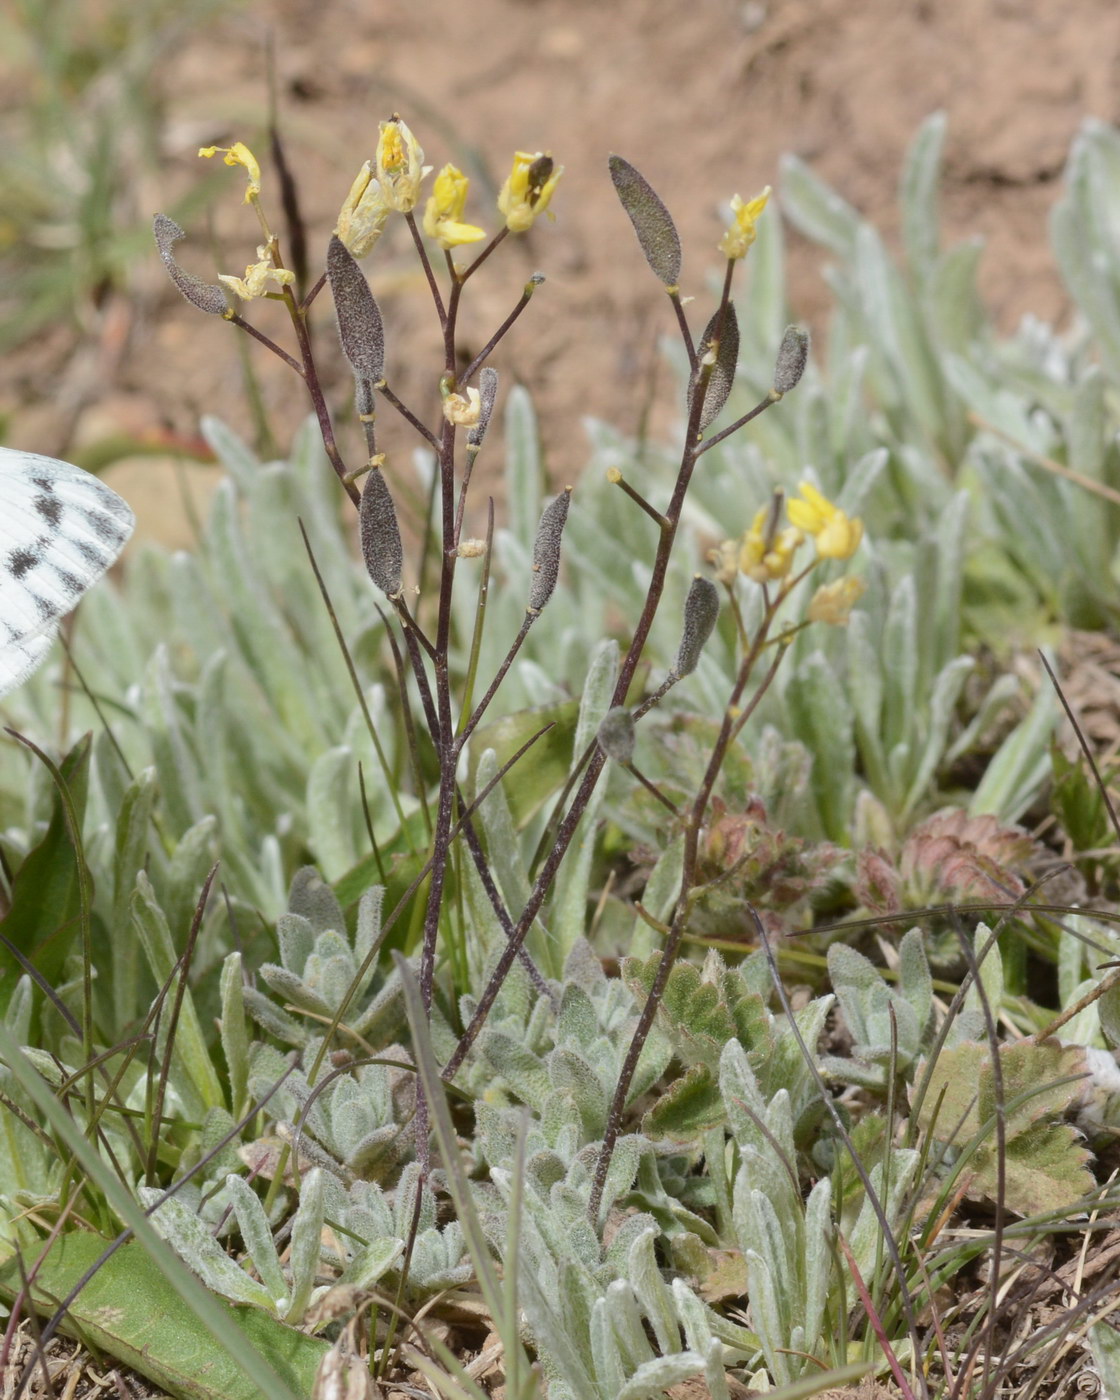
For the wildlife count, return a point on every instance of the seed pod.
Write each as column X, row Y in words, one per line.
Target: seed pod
column 723, row 371
column 363, row 397
column 701, row 609
column 792, row 354
column 616, row 734
column 359, row 319
column 652, row 222
column 546, row 551
column 381, row 535
column 209, row 297
column 488, row 387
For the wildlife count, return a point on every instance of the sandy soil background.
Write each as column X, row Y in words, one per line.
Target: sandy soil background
column 703, row 97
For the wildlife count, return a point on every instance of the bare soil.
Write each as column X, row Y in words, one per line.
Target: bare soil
column 703, row 97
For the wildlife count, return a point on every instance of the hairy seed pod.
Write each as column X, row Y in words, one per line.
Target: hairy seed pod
column 363, row 397
column 723, row 371
column 616, row 734
column 381, row 535
column 546, row 551
column 359, row 318
column 652, row 222
column 701, row 608
column 209, row 297
column 488, row 388
column 792, row 355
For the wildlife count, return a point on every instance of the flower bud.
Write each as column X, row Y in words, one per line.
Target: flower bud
column 701, row 609
column 744, row 226
column 616, row 734
column 792, row 355
column 546, row 551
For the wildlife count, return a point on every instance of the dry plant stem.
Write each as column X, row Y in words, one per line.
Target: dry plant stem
column 467, row 699
column 682, row 911
column 422, row 254
column 497, row 903
column 313, row 293
column 875, row 1320
column 150, row 1172
column 318, row 399
column 682, row 322
column 986, row 1335
column 268, row 343
column 652, row 789
column 499, row 676
column 407, row 414
column 845, row 1137
column 411, row 626
column 447, row 748
column 499, row 237
column 1105, row 985
column 398, row 909
column 639, row 500
column 371, row 728
column 658, row 695
column 488, row 349
column 739, row 423
column 595, row 764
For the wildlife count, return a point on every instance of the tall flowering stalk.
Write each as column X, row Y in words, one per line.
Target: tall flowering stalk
column 772, row 554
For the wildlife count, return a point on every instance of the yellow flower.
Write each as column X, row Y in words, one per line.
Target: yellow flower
column 255, row 282
column 464, row 412
column 528, row 190
column 400, row 165
column 363, row 214
column 837, row 535
column 833, row 602
column 239, row 154
column 443, row 218
column 743, row 230
column 763, row 559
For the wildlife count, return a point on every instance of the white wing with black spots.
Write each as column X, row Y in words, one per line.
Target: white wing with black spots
column 60, row 529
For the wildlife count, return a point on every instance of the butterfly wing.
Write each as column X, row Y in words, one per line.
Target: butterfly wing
column 60, row 529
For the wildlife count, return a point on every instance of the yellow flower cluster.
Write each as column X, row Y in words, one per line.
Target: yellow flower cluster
column 766, row 552
column 837, row 535
column 391, row 183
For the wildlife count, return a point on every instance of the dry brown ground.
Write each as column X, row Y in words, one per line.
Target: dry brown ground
column 703, row 96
